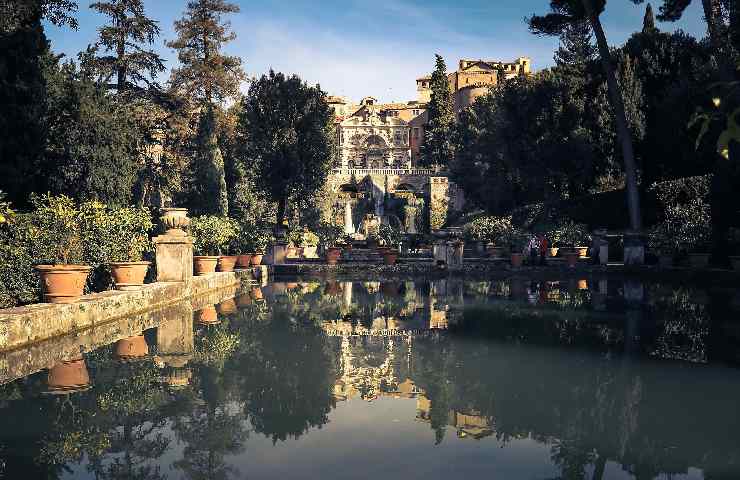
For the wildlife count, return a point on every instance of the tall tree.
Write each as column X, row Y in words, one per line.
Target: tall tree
column 565, row 13
column 206, row 73
column 209, row 182
column 287, row 133
column 122, row 39
column 438, row 147
column 648, row 22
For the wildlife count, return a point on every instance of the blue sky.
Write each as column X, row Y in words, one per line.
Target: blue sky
column 379, row 47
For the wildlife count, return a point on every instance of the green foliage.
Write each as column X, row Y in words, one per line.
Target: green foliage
column 490, row 229
column 209, row 195
column 438, row 147
column 389, row 236
column 568, row 234
column 206, row 74
column 330, row 234
column 212, row 235
column 122, row 233
column 56, row 229
column 124, row 56
column 686, row 216
column 286, row 133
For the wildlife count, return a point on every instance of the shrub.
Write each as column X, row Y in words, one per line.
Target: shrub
column 212, row 235
column 388, row 235
column 490, row 229
column 686, row 216
column 568, row 234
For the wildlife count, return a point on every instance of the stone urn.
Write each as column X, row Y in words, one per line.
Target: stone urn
column 68, row 377
column 129, row 275
column 204, row 264
column 63, row 283
column 174, row 220
column 226, row 263
column 132, row 348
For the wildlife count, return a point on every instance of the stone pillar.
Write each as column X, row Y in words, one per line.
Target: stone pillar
column 174, row 257
column 457, row 251
column 439, row 250
column 349, row 226
column 634, row 249
column 174, row 249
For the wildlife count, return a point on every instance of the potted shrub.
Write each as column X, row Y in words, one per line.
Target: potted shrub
column 59, row 246
column 240, row 247
column 231, row 230
column 517, row 242
column 494, row 230
column 128, row 229
column 210, row 235
column 309, row 243
column 569, row 237
column 389, row 239
column 331, row 237
column 260, row 240
column 663, row 244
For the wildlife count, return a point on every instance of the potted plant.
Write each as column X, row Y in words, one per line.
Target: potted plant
column 128, row 230
column 516, row 241
column 210, row 235
column 389, row 239
column 309, row 243
column 331, row 237
column 240, row 247
column 663, row 244
column 58, row 244
column 231, row 230
column 260, row 240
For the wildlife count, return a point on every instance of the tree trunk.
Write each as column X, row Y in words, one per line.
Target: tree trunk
column 617, row 104
column 120, row 55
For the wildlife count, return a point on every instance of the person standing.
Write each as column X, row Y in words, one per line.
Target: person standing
column 534, row 250
column 544, row 245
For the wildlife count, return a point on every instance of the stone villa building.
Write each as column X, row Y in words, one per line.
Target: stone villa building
column 379, row 147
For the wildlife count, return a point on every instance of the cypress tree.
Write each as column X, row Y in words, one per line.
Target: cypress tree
column 648, row 23
column 126, row 59
column 210, row 195
column 438, row 143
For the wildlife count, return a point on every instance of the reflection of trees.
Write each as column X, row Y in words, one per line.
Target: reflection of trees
column 286, row 372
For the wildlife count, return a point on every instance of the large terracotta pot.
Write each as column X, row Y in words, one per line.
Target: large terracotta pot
column 132, row 348
column 517, row 259
column 309, row 252
column 244, row 260
column 129, row 275
column 63, row 283
column 68, row 377
column 390, row 257
column 332, row 255
column 208, row 316
column 257, row 259
column 582, row 284
column 699, row 260
column 291, row 252
column 174, row 220
column 227, row 307
column 571, row 258
column 582, row 251
column 552, row 252
column 226, row 263
column 494, row 251
column 735, row 261
column 204, row 264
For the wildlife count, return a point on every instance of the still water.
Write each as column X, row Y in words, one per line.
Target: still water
column 512, row 379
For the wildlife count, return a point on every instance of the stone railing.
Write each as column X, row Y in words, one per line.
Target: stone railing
column 384, row 171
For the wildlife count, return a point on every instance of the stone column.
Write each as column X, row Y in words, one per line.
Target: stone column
column 349, row 226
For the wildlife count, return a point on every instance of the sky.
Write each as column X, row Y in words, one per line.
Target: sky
column 378, row 48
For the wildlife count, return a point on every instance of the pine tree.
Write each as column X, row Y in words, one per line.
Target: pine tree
column 206, row 73
column 576, row 49
column 648, row 23
column 438, row 142
column 122, row 39
column 210, row 195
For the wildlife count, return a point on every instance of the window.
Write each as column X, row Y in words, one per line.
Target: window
column 415, row 112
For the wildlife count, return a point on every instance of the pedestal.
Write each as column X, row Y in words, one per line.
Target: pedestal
column 174, row 255
column 279, row 253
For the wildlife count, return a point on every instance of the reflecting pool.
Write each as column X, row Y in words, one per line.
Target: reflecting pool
column 510, row 379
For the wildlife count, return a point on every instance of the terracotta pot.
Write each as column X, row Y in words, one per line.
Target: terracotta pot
column 582, row 284
column 174, row 220
column 291, row 252
column 208, row 316
column 309, row 252
column 735, row 261
column 226, row 263
column 68, row 377
column 582, row 251
column 63, row 283
column 244, row 300
column 256, row 293
column 129, row 275
column 390, row 257
column 517, row 259
column 256, row 259
column 699, row 260
column 553, row 252
column 494, row 251
column 332, row 255
column 132, row 348
column 244, row 260
column 227, row 307
column 204, row 264
column 571, row 258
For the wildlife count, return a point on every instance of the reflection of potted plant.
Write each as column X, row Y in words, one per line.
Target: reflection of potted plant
column 59, row 245
column 129, row 230
column 211, row 234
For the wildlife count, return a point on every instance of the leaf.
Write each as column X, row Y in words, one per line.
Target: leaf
column 705, row 119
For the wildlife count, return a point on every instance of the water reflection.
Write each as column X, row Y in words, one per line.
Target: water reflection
column 556, row 378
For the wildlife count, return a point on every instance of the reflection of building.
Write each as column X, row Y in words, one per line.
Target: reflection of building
column 470, row 424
